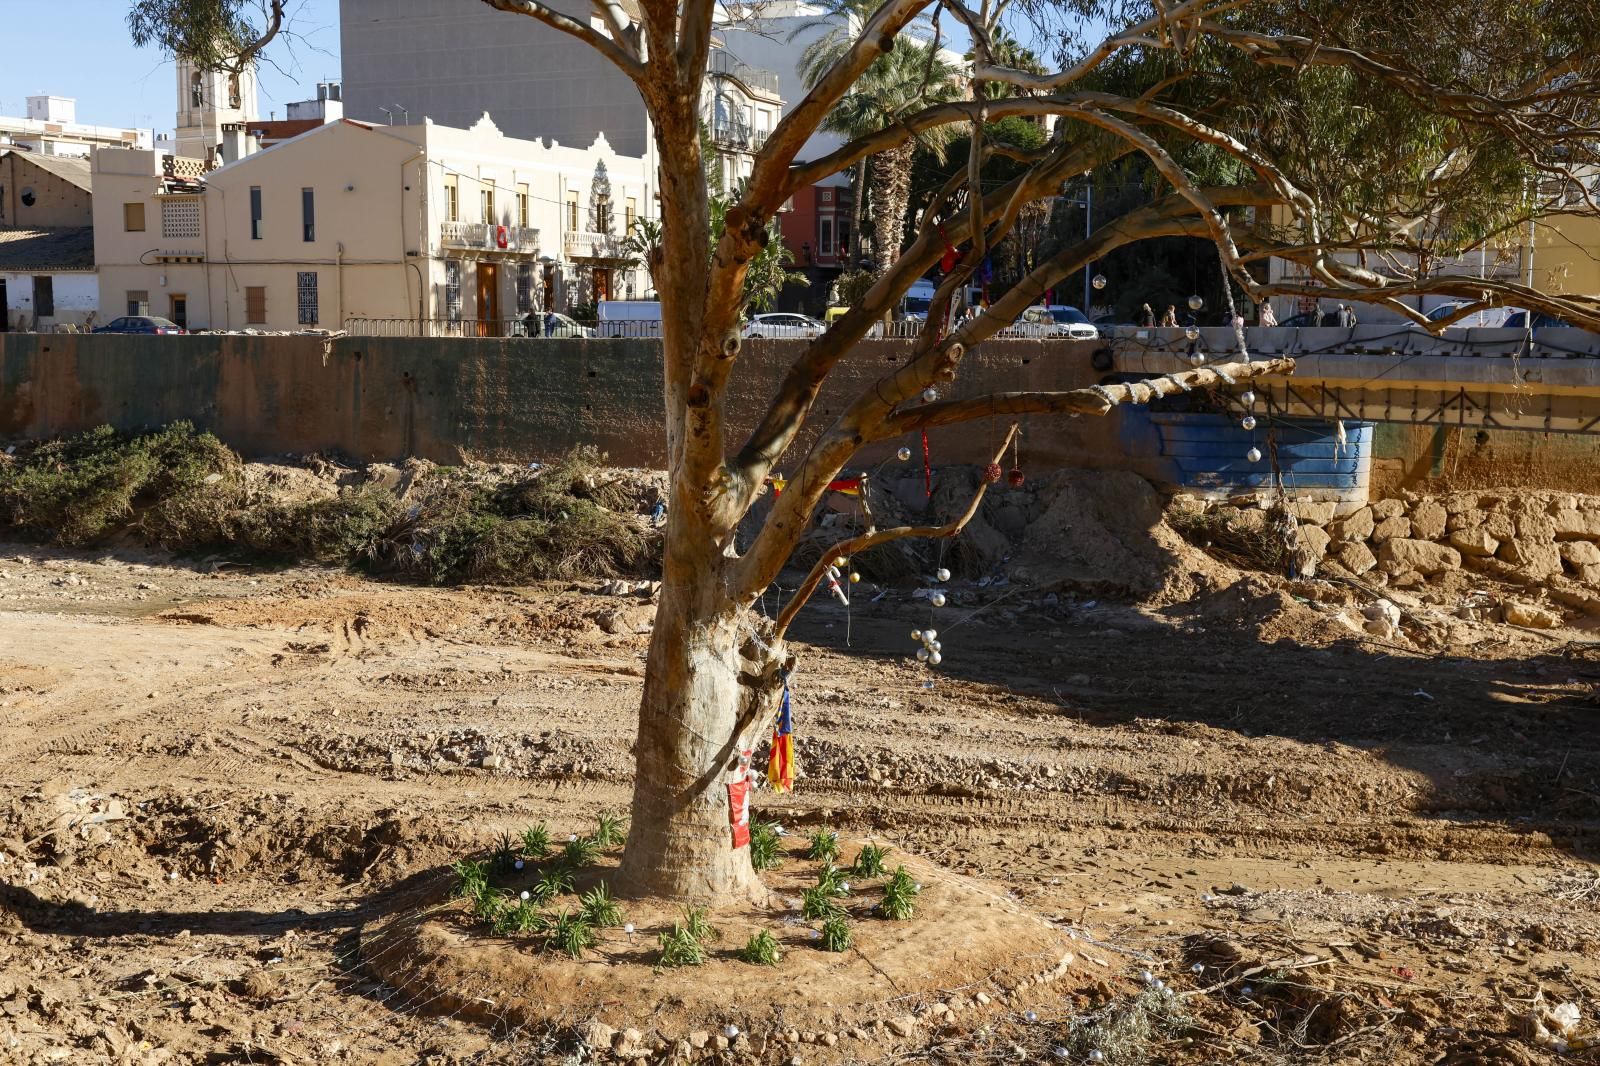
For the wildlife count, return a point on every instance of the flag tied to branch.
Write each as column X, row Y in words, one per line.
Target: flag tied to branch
column 780, row 763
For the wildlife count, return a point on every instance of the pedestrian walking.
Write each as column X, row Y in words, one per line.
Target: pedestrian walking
column 1147, row 317
column 1268, row 317
column 1170, row 319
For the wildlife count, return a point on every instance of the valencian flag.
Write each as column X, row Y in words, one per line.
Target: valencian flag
column 780, row 764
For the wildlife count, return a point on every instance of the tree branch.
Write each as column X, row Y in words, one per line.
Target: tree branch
column 612, row 50
column 872, row 538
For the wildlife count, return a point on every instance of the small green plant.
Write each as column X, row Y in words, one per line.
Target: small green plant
column 824, row 846
column 610, row 830
column 899, row 896
column 681, row 948
column 600, row 909
column 836, row 933
column 551, row 884
column 472, row 877
column 569, row 933
column 579, row 853
column 520, row 917
column 699, row 926
column 536, row 841
column 831, row 880
column 503, row 858
column 488, row 904
column 817, row 903
column 761, row 949
column 766, row 846
column 869, row 861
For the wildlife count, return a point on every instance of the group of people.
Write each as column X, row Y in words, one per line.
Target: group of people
column 1343, row 317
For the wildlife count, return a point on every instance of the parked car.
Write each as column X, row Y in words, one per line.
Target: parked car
column 1518, row 319
column 1055, row 320
column 784, row 324
column 628, row 318
column 142, row 324
column 554, row 325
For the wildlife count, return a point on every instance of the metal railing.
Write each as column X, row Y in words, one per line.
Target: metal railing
column 484, row 237
column 738, row 135
column 723, row 64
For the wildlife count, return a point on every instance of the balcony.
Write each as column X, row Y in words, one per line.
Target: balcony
column 738, row 135
column 482, row 237
column 582, row 244
column 724, row 65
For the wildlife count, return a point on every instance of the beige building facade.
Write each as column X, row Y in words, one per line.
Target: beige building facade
column 400, row 229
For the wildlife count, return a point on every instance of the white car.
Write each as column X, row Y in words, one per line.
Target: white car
column 1055, row 320
column 785, row 324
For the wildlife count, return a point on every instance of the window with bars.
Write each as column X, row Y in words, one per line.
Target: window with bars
column 488, row 201
column 180, row 218
column 138, row 302
column 305, row 286
column 524, row 288
column 255, row 305
column 452, row 290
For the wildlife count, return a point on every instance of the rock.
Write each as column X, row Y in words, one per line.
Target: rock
column 1385, row 509
column 828, row 1039
column 493, row 762
column 1390, row 528
column 1355, row 557
column 1428, row 519
column 1357, row 525
column 1384, row 610
column 792, row 1036
column 1250, row 519
column 1315, row 540
column 1569, row 524
column 596, row 1034
column 1589, row 575
column 983, row 999
column 1534, row 617
column 904, row 1025
column 1535, row 560
column 1459, row 502
column 1425, row 557
column 1316, row 513
column 625, row 1043
column 699, row 1038
column 1533, row 527
column 1578, row 553
column 719, row 1042
column 612, row 622
column 1499, row 526
column 1464, row 520
column 1474, row 541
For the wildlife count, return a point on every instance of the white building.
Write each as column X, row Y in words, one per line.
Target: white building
column 51, row 127
column 211, row 106
column 47, row 279
column 403, row 229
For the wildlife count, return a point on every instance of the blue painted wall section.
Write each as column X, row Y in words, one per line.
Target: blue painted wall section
column 1205, row 453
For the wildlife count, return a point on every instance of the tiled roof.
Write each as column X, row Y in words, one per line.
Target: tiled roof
column 67, row 168
column 67, row 248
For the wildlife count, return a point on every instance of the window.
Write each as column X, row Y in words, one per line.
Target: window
column 524, row 288
column 452, row 289
column 44, row 296
column 197, row 95
column 305, row 287
column 255, row 213
column 452, row 199
column 308, row 215
column 488, row 201
column 572, row 212
column 602, row 214
column 234, row 99
column 630, row 214
column 255, row 305
column 138, row 302
column 844, row 237
column 522, row 205
column 180, row 218
column 133, row 218
column 825, row 244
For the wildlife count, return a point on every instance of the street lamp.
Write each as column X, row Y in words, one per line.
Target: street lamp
column 1087, row 203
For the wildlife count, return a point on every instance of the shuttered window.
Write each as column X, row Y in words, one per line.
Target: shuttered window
column 255, row 305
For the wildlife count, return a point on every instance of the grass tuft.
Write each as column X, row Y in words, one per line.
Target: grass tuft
column 610, row 830
column 551, row 883
column 472, row 877
column 818, row 903
column 576, row 854
column 761, row 950
column 699, row 925
column 836, row 933
column 766, row 846
column 899, row 896
column 824, row 846
column 869, row 860
column 600, row 908
column 681, row 948
column 536, row 841
column 568, row 933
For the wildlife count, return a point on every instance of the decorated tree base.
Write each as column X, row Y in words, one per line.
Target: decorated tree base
column 966, row 952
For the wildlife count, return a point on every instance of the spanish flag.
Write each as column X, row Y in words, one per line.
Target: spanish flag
column 848, row 486
column 780, row 764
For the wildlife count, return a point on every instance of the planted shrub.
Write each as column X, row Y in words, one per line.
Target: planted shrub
column 551, row 884
column 761, row 949
column 818, row 903
column 681, row 948
column 824, row 846
column 520, row 917
column 609, row 831
column 576, row 854
column 600, row 909
column 836, row 933
column 699, row 925
column 536, row 841
column 472, row 877
column 899, row 896
column 503, row 858
column 869, row 861
column 766, row 846
column 569, row 933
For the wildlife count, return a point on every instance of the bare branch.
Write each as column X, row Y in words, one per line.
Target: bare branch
column 612, row 50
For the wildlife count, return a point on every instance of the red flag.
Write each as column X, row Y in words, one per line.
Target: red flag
column 780, row 764
column 739, row 801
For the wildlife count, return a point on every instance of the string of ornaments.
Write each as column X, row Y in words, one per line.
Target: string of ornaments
column 1197, row 358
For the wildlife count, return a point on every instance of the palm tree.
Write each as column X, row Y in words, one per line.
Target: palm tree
column 907, row 77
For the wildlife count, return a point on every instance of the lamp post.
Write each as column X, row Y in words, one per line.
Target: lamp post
column 1087, row 203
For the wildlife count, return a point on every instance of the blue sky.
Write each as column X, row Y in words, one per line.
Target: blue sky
column 80, row 48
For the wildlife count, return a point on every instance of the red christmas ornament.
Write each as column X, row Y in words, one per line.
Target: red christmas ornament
column 1015, row 478
column 991, row 473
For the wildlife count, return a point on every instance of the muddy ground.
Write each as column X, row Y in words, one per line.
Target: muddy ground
column 213, row 780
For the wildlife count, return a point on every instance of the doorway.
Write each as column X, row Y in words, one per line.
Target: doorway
column 602, row 284
column 178, row 309
column 488, row 300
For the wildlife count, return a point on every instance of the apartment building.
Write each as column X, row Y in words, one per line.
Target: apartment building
column 47, row 278
column 420, row 228
column 51, row 127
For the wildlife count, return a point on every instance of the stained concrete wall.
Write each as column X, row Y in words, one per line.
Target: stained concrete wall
column 451, row 399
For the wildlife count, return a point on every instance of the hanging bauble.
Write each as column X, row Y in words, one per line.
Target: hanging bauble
column 1254, row 455
column 855, row 578
column 941, row 574
column 930, row 635
column 992, row 473
column 1247, row 397
column 930, row 394
column 936, row 646
column 937, row 599
column 839, row 560
column 1197, row 358
column 1192, row 333
column 917, row 634
column 1015, row 478
column 1195, row 303
column 922, row 655
column 934, row 658
column 1247, row 422
column 904, row 454
column 1099, row 281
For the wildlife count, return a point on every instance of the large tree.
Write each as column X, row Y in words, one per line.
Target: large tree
column 1366, row 135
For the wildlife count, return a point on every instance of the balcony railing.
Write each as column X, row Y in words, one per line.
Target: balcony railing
column 723, row 64
column 738, row 135
column 583, row 244
column 480, row 236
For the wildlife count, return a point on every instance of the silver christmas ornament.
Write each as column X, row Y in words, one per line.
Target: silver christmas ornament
column 1248, row 422
column 930, row 635
column 1030, row 1016
column 930, row 394
column 731, row 1032
column 903, row 454
column 935, row 646
column 1254, row 455
column 1192, row 333
column 1195, row 303
column 942, row 574
column 937, row 599
column 934, row 658
column 1197, row 358
column 916, row 634
column 922, row 655
column 1099, row 281
column 1247, row 397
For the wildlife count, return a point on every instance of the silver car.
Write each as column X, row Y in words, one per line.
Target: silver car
column 784, row 324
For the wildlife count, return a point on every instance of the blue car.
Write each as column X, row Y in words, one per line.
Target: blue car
column 142, row 324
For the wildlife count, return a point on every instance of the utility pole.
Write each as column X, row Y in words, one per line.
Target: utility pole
column 1088, row 228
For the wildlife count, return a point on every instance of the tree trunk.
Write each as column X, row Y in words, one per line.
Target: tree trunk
column 856, row 207
column 891, row 196
column 694, row 719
